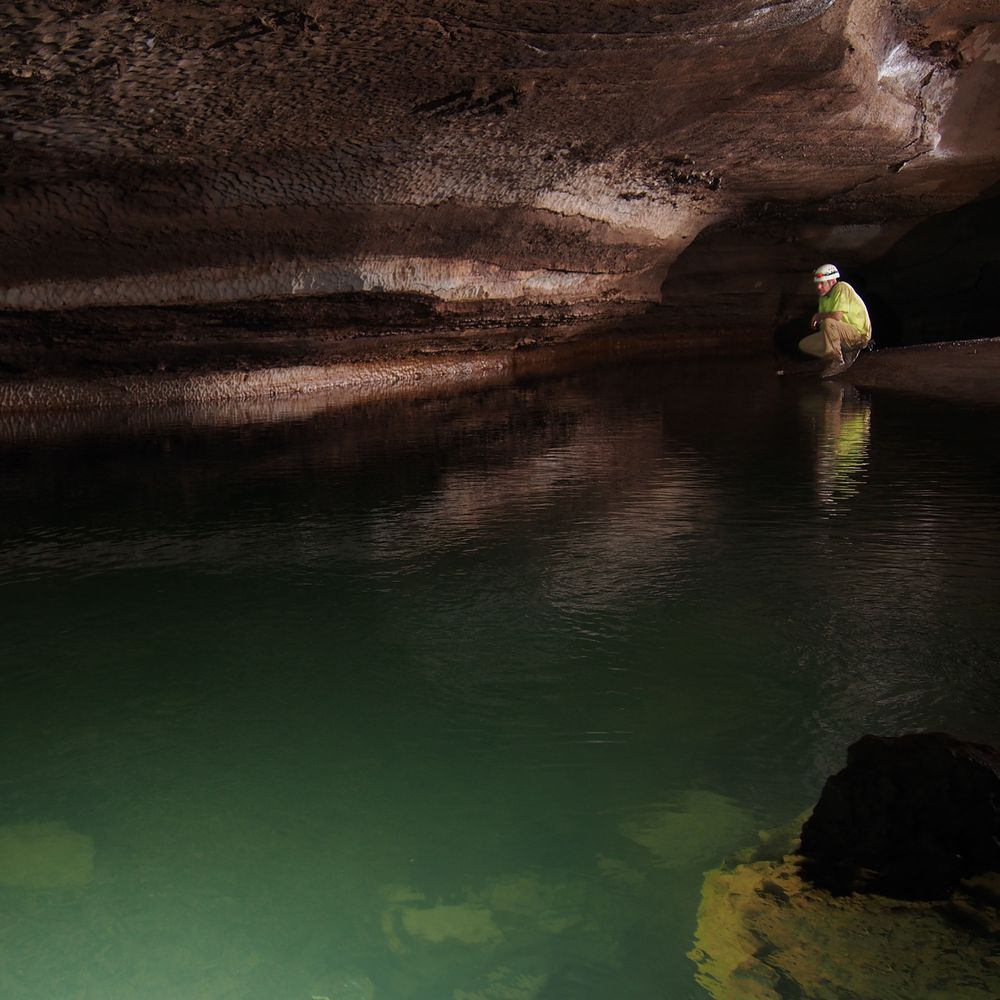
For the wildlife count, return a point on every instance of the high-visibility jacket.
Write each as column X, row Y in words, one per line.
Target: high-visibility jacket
column 843, row 298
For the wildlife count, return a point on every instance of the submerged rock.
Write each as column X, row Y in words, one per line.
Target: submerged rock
column 506, row 907
column 505, row 939
column 45, row 856
column 410, row 921
column 895, row 894
column 700, row 828
column 343, row 984
column 459, row 923
column 909, row 817
column 764, row 933
column 525, row 899
column 505, row 983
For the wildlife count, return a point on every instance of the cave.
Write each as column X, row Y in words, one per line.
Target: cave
column 430, row 568
column 230, row 187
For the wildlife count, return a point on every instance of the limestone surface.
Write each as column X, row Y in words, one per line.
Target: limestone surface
column 178, row 175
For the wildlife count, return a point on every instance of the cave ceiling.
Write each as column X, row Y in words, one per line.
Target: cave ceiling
column 155, row 153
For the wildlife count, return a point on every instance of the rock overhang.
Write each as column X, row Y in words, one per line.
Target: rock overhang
column 157, row 153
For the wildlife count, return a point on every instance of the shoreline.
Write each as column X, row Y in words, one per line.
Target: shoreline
column 960, row 371
column 144, row 390
column 325, row 362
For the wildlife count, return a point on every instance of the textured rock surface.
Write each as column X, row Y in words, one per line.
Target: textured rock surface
column 915, row 812
column 909, row 817
column 480, row 163
column 765, row 934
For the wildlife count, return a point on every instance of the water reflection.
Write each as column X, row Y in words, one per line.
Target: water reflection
column 608, row 501
column 843, row 428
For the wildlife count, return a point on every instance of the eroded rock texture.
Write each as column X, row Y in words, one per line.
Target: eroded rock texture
column 766, row 934
column 892, row 891
column 909, row 816
column 483, row 161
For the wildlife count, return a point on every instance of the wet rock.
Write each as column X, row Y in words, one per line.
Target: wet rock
column 765, row 933
column 911, row 822
column 908, row 817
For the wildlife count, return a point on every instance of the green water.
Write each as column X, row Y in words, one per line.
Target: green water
column 455, row 698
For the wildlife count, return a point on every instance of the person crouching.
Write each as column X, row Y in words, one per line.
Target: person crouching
column 841, row 325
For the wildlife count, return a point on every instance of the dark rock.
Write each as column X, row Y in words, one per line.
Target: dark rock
column 909, row 817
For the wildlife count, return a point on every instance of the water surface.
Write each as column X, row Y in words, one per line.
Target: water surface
column 455, row 698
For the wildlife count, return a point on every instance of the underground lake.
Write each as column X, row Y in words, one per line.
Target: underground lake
column 457, row 696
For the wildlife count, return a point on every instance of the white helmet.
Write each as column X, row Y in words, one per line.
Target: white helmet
column 825, row 272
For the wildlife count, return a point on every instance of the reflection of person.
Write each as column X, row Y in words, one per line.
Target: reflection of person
column 842, row 419
column 841, row 324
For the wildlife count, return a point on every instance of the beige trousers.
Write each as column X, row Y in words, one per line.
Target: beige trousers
column 833, row 336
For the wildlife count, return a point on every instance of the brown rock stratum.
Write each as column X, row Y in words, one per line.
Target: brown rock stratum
column 192, row 184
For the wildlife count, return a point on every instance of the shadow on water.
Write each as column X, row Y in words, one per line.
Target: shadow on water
column 458, row 696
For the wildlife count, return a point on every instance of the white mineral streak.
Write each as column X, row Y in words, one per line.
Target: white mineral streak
column 449, row 280
column 902, row 69
column 784, row 15
column 769, row 17
column 595, row 192
column 918, row 92
column 644, row 215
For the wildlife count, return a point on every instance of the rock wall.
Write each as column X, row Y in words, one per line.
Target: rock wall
column 520, row 159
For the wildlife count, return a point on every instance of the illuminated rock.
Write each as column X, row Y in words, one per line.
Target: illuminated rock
column 892, row 892
column 766, row 934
